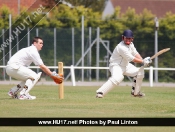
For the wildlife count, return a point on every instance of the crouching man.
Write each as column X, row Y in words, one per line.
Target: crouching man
column 17, row 67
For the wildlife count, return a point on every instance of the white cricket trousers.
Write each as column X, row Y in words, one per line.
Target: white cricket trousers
column 118, row 72
column 117, row 75
column 20, row 72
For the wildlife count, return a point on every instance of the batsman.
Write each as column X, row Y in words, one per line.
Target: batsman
column 18, row 68
column 124, row 53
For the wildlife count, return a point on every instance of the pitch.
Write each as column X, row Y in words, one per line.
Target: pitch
column 81, row 102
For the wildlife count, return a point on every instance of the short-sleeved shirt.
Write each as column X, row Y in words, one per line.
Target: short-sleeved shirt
column 26, row 56
column 123, row 54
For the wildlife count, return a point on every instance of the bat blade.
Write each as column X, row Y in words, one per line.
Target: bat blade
column 160, row 52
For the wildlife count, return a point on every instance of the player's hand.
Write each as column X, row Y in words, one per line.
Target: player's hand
column 58, row 79
column 147, row 61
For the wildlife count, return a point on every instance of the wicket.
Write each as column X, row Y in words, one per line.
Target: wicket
column 61, row 86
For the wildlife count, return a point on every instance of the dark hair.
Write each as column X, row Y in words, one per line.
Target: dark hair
column 35, row 39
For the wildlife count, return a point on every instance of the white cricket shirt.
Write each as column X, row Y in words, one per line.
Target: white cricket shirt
column 123, row 54
column 26, row 56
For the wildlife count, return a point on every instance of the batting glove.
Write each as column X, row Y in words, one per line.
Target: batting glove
column 147, row 61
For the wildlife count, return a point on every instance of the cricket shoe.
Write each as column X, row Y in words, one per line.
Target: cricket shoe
column 26, row 97
column 99, row 95
column 140, row 95
column 12, row 94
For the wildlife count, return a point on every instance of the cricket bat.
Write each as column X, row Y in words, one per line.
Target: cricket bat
column 160, row 52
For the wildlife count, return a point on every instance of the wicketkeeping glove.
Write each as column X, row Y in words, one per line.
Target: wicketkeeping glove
column 147, row 61
column 58, row 79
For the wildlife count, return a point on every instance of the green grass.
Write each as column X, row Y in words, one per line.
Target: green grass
column 81, row 102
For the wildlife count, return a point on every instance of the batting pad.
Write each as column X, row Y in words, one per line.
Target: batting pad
column 106, row 87
column 34, row 82
column 31, row 84
column 139, row 80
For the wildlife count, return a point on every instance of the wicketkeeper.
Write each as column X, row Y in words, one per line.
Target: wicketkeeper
column 17, row 67
column 120, row 65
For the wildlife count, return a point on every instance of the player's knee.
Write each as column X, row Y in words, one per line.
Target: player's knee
column 140, row 76
column 117, row 79
column 30, row 79
column 33, row 76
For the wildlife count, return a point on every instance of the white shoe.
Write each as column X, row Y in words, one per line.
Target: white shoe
column 140, row 95
column 27, row 97
column 33, row 97
column 99, row 95
column 12, row 94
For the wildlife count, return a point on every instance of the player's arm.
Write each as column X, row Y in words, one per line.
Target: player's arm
column 38, row 61
column 45, row 69
column 129, row 56
column 138, row 59
column 57, row 78
column 145, row 62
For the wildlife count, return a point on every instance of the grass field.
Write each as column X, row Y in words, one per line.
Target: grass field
column 81, row 102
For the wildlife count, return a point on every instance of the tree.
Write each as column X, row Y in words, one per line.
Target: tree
column 4, row 21
column 63, row 16
column 95, row 5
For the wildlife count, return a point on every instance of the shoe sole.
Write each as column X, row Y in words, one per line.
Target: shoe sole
column 25, row 99
column 99, row 96
column 13, row 96
column 138, row 96
column 9, row 95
